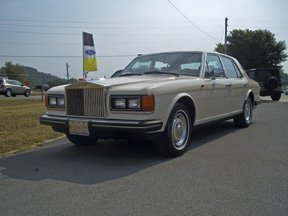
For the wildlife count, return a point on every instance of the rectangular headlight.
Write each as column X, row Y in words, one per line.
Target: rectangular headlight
column 119, row 103
column 60, row 101
column 56, row 101
column 133, row 103
column 52, row 101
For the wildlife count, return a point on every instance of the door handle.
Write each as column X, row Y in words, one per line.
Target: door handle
column 245, row 84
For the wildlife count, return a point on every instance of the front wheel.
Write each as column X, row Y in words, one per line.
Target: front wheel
column 245, row 118
column 81, row 140
column 27, row 93
column 175, row 138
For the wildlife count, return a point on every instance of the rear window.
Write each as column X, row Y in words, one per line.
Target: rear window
column 11, row 82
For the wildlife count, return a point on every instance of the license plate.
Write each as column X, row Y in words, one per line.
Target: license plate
column 78, row 127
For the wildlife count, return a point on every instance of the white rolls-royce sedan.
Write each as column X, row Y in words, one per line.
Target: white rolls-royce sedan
column 158, row 96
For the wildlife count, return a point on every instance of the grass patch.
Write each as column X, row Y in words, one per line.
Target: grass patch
column 20, row 128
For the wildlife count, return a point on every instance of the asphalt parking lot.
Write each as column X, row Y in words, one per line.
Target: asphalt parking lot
column 226, row 171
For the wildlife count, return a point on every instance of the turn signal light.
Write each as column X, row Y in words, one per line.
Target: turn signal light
column 148, row 103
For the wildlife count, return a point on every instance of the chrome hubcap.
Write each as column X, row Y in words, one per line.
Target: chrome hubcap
column 180, row 130
column 9, row 93
column 247, row 111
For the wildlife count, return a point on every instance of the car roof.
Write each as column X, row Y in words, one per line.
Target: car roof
column 170, row 52
column 254, row 69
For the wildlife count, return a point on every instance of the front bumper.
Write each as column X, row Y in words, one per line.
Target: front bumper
column 104, row 127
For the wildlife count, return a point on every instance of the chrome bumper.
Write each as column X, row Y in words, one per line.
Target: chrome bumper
column 61, row 124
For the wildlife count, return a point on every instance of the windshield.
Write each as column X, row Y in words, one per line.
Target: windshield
column 184, row 63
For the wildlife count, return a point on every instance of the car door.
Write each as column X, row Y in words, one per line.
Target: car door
column 217, row 87
column 20, row 87
column 238, row 83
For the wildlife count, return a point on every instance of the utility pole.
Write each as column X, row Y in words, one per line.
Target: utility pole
column 225, row 40
column 67, row 70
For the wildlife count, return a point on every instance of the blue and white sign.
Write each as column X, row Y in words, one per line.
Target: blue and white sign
column 90, row 52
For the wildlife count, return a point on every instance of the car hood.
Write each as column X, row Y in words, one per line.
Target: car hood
column 135, row 83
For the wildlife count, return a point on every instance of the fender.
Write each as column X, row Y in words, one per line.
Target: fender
column 172, row 104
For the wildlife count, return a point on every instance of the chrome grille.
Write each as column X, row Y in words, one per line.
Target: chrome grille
column 85, row 102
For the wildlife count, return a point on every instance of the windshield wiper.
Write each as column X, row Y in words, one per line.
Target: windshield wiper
column 129, row 74
column 161, row 72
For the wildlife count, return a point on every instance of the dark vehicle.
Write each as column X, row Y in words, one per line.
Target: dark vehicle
column 286, row 91
column 269, row 80
column 12, row 88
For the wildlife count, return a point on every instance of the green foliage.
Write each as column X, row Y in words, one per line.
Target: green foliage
column 255, row 49
column 13, row 71
column 37, row 78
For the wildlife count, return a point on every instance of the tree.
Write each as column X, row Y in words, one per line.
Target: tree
column 13, row 71
column 254, row 49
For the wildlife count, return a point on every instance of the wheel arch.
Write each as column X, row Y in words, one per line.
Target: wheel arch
column 8, row 89
column 188, row 101
column 251, row 96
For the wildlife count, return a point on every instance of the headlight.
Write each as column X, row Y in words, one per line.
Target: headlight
column 60, row 101
column 55, row 101
column 52, row 101
column 132, row 103
column 119, row 103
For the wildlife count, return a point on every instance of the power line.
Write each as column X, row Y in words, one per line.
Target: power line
column 191, row 21
column 32, row 32
column 99, row 34
column 96, row 27
column 63, row 56
column 98, row 21
column 78, row 44
column 41, row 44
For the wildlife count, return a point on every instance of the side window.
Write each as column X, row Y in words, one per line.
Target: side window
column 11, row 82
column 239, row 74
column 18, row 83
column 229, row 67
column 251, row 74
column 214, row 66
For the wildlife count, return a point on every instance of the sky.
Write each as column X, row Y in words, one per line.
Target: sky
column 47, row 34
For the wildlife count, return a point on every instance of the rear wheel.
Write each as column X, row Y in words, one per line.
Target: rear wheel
column 81, row 140
column 245, row 118
column 8, row 93
column 175, row 138
column 275, row 96
column 271, row 83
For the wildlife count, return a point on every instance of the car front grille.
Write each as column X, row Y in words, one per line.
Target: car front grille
column 85, row 101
